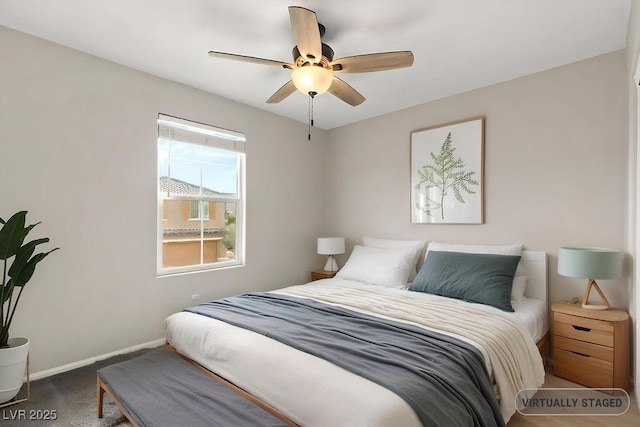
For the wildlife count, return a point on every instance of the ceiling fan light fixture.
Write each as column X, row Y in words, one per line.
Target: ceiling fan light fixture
column 312, row 78
column 313, row 67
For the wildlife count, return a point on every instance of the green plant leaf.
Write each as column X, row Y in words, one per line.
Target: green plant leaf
column 20, row 269
column 8, row 291
column 27, row 271
column 12, row 235
column 23, row 255
column 29, row 228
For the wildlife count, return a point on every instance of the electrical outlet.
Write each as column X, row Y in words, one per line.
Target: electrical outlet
column 195, row 297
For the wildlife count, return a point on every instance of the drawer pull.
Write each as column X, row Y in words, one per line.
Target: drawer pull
column 580, row 354
column 581, row 328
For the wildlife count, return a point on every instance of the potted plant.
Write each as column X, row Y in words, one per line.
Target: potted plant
column 18, row 264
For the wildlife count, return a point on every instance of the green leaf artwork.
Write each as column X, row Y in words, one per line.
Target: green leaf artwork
column 447, row 175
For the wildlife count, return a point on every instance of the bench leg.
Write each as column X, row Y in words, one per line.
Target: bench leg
column 101, row 389
column 100, row 396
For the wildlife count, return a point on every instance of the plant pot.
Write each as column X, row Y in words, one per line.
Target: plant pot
column 13, row 361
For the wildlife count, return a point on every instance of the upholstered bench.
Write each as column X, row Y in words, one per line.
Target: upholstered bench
column 160, row 388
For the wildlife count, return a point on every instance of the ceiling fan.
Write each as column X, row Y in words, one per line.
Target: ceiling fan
column 314, row 70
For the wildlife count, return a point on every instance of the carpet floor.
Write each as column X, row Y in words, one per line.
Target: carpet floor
column 72, row 395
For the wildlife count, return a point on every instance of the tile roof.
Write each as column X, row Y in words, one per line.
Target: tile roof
column 176, row 186
column 208, row 232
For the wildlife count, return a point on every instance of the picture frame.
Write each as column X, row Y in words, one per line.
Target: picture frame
column 447, row 173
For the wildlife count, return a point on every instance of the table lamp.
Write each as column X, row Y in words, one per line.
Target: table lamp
column 330, row 246
column 591, row 264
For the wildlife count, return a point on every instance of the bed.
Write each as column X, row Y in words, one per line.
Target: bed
column 319, row 385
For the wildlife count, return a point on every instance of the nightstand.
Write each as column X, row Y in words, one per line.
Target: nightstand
column 591, row 347
column 322, row 274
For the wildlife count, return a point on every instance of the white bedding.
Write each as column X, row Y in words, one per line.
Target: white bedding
column 280, row 375
column 533, row 313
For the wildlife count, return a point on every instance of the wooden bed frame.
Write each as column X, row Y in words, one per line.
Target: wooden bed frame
column 534, row 262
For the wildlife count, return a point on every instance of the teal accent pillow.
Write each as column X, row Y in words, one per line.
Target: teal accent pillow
column 479, row 278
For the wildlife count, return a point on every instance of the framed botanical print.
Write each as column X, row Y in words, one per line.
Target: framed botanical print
column 447, row 173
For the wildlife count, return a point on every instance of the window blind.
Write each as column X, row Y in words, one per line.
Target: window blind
column 176, row 129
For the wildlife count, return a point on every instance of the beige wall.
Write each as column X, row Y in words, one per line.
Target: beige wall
column 555, row 167
column 78, row 145
column 633, row 50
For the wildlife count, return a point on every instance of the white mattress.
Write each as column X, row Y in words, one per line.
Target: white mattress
column 334, row 396
column 533, row 313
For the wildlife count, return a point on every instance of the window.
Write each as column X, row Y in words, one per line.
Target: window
column 199, row 210
column 200, row 196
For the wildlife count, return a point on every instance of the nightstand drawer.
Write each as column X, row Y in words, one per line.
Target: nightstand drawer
column 592, row 350
column 584, row 370
column 584, row 329
column 591, row 347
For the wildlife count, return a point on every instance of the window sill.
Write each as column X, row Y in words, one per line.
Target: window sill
column 179, row 271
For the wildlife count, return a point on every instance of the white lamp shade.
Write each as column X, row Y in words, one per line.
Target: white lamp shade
column 312, row 78
column 590, row 263
column 330, row 245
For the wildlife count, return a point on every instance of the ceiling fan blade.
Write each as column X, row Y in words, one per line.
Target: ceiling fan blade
column 345, row 92
column 250, row 59
column 287, row 89
column 373, row 62
column 306, row 33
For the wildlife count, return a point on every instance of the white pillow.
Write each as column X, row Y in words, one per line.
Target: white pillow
column 476, row 249
column 379, row 266
column 519, row 280
column 417, row 245
column 518, row 286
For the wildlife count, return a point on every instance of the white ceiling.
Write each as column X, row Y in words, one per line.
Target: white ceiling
column 459, row 45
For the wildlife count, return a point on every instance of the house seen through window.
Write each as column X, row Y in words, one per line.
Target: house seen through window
column 200, row 196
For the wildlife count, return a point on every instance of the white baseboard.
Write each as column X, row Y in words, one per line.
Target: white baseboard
column 69, row 366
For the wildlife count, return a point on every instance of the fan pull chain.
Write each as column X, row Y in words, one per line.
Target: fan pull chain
column 311, row 96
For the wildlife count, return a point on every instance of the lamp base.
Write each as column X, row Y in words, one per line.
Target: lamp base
column 331, row 264
column 595, row 307
column 585, row 300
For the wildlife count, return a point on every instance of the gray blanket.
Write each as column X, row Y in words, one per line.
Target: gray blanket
column 442, row 378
